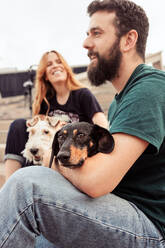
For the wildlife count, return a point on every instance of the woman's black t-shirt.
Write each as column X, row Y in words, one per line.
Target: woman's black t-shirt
column 80, row 106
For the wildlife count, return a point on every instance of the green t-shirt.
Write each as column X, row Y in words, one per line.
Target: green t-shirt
column 139, row 110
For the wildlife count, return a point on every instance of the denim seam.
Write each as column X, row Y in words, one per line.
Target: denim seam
column 104, row 224
column 14, row 225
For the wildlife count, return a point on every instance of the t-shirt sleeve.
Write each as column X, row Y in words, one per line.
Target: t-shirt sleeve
column 89, row 103
column 141, row 113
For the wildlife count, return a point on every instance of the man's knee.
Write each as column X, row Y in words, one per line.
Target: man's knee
column 20, row 177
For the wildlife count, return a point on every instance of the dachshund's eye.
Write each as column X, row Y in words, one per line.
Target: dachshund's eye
column 61, row 139
column 81, row 137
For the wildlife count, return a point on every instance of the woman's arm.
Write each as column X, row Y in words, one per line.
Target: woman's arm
column 91, row 108
column 100, row 119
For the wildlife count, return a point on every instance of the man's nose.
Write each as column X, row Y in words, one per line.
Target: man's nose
column 88, row 44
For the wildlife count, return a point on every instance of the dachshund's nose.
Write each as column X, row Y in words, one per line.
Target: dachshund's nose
column 34, row 151
column 63, row 157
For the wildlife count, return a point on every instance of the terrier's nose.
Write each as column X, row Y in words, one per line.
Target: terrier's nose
column 34, row 151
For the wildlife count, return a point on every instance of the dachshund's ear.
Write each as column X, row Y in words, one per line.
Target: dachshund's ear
column 55, row 144
column 55, row 149
column 104, row 139
column 51, row 159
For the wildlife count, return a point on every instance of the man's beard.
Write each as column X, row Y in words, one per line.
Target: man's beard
column 106, row 69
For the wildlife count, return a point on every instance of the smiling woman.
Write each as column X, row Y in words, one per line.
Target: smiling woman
column 58, row 91
column 54, row 77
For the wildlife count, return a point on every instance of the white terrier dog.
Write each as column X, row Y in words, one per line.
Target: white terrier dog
column 41, row 131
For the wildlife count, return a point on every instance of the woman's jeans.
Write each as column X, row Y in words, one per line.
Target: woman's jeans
column 16, row 140
column 39, row 200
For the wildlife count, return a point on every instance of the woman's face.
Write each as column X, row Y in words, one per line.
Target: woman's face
column 55, row 71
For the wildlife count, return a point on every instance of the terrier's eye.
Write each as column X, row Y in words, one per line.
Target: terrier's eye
column 46, row 131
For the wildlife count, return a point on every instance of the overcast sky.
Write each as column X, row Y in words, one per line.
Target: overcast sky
column 28, row 28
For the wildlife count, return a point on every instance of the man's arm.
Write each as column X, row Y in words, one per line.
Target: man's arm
column 101, row 173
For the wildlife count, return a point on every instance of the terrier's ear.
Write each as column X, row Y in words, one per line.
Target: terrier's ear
column 105, row 141
column 32, row 122
column 53, row 121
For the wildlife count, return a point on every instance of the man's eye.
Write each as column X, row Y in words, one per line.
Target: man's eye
column 96, row 33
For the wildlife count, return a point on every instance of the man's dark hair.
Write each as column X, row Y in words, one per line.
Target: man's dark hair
column 128, row 16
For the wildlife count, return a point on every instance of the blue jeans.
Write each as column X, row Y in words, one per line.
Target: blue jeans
column 39, row 200
column 41, row 242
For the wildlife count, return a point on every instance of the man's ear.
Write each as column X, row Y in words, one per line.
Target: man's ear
column 129, row 40
column 104, row 139
column 55, row 149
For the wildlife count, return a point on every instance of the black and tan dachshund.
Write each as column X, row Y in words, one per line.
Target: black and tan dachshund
column 76, row 141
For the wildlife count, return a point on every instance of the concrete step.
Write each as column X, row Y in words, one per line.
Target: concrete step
column 2, row 152
column 3, row 136
column 2, row 174
column 4, row 124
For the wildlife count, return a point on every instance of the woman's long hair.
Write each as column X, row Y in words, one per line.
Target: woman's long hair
column 44, row 89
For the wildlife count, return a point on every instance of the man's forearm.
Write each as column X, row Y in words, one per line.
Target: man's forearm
column 72, row 175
